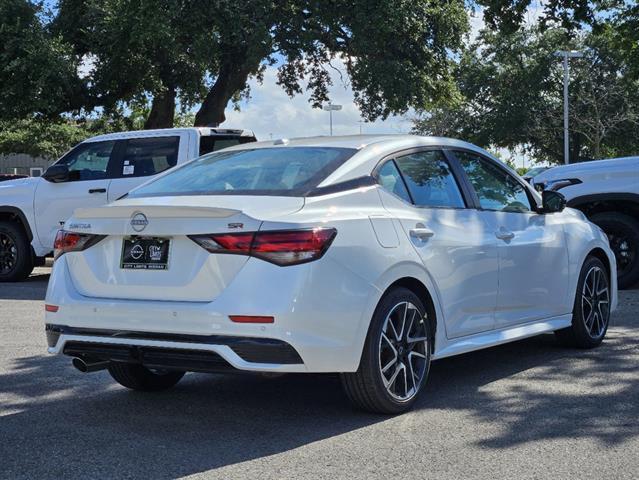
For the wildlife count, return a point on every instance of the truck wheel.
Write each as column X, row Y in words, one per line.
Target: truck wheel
column 623, row 234
column 16, row 262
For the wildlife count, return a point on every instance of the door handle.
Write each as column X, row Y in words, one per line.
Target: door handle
column 97, row 190
column 422, row 233
column 504, row 234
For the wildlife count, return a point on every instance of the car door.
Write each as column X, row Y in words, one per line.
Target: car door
column 422, row 191
column 533, row 256
column 90, row 167
column 141, row 158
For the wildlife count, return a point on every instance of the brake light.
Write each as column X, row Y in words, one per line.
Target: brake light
column 73, row 242
column 287, row 247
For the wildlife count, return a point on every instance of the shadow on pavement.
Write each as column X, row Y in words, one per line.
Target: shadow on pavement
column 596, row 398
column 210, row 421
column 33, row 288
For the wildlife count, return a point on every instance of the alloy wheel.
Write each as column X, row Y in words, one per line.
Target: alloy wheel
column 8, row 254
column 595, row 302
column 403, row 351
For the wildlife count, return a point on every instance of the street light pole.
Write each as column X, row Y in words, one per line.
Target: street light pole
column 566, row 54
column 330, row 108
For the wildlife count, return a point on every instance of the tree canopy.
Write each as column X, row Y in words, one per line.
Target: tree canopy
column 512, row 95
column 150, row 63
column 37, row 70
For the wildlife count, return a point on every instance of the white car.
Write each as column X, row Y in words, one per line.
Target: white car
column 368, row 256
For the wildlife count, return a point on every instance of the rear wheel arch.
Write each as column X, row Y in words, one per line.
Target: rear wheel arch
column 418, row 288
column 627, row 203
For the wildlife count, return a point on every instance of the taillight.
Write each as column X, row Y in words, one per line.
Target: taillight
column 73, row 242
column 283, row 247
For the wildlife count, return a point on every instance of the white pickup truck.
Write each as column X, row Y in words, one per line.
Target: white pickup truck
column 97, row 171
column 607, row 192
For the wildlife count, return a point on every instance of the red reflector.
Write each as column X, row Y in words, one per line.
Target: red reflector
column 51, row 308
column 251, row 319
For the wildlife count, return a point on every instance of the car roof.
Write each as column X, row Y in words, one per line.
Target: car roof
column 358, row 142
column 165, row 132
column 370, row 149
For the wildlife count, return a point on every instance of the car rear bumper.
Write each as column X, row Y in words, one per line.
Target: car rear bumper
column 201, row 353
column 321, row 313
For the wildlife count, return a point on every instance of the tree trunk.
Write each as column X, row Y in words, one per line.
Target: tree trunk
column 162, row 110
column 575, row 148
column 231, row 79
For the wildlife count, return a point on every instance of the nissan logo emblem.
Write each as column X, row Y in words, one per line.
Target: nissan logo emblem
column 139, row 221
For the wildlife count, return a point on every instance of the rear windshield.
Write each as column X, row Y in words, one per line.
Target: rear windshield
column 286, row 171
column 214, row 143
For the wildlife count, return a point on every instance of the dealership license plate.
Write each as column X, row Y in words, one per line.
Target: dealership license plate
column 145, row 253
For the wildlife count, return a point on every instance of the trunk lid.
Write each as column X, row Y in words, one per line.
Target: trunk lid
column 192, row 273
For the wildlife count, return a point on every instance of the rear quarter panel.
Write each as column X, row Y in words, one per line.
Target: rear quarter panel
column 361, row 251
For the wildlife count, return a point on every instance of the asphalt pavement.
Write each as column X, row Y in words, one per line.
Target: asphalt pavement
column 531, row 409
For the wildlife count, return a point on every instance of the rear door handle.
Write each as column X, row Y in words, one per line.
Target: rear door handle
column 97, row 190
column 421, row 233
column 504, row 235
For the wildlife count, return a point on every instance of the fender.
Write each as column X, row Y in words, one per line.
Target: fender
column 603, row 197
column 21, row 216
column 417, row 271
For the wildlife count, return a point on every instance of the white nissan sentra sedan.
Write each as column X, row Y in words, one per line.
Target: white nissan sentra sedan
column 367, row 256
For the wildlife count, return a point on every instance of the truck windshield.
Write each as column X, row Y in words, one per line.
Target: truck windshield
column 285, row 171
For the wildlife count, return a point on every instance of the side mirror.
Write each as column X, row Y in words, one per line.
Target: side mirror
column 57, row 174
column 552, row 201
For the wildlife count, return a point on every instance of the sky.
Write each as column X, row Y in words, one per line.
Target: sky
column 271, row 112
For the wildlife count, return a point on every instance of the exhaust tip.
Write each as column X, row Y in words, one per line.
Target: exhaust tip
column 89, row 366
column 80, row 364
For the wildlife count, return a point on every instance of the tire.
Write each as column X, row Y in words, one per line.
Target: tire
column 138, row 377
column 589, row 325
column 375, row 390
column 16, row 261
column 623, row 233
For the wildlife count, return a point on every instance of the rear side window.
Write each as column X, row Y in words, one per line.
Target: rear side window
column 390, row 179
column 213, row 143
column 148, row 156
column 286, row 171
column 430, row 181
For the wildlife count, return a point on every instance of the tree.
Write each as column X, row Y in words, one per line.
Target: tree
column 141, row 49
column 397, row 54
column 38, row 75
column 513, row 96
column 110, row 55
